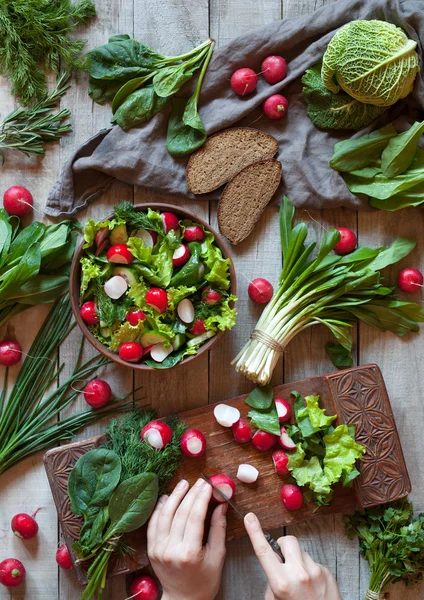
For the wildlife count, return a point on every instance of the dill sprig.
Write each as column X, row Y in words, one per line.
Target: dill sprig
column 136, row 456
column 34, row 39
column 28, row 129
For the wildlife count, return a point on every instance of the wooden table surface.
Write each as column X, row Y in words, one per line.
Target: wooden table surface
column 171, row 26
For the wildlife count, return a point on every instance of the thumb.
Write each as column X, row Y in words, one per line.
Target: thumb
column 218, row 528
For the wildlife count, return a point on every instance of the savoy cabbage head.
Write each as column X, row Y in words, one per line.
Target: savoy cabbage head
column 373, row 61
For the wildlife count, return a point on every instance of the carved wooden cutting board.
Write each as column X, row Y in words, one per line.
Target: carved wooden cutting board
column 356, row 395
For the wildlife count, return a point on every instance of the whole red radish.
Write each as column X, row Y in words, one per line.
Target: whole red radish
column 157, row 298
column 263, row 441
column 97, row 393
column 25, row 526
column 276, row 107
column 198, row 327
column 194, row 233
column 18, row 201
column 244, row 81
column 157, row 434
column 193, row 443
column 280, row 460
column 131, row 352
column 88, row 313
column 10, row 353
column 224, row 484
column 170, row 221
column 283, row 409
column 347, row 242
column 260, row 290
column 410, row 280
column 12, row 572
column 285, row 440
column 292, row 497
column 119, row 254
column 180, row 256
column 274, row 69
column 211, row 296
column 144, row 588
column 63, row 558
column 241, row 431
column 134, row 317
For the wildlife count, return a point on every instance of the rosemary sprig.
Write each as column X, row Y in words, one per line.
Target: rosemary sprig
column 28, row 417
column 27, row 129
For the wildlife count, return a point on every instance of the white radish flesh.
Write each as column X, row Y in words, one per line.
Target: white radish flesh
column 226, row 415
column 285, row 440
column 160, row 352
column 247, row 473
column 115, row 287
column 154, row 439
column 145, row 237
column 185, row 310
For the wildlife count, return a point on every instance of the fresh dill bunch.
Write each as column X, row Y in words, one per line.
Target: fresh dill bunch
column 123, row 437
column 137, row 219
column 34, row 39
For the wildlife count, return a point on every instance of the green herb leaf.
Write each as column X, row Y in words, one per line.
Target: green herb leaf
column 183, row 139
column 125, row 90
column 137, row 108
column 133, row 502
column 260, row 397
column 357, row 153
column 400, row 151
column 339, row 356
column 266, row 420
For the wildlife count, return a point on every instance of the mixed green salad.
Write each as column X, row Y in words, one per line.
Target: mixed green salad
column 153, row 288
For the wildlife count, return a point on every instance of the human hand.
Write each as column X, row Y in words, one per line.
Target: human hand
column 186, row 569
column 298, row 577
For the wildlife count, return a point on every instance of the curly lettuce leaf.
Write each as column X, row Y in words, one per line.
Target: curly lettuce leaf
column 219, row 267
column 137, row 293
column 341, row 453
column 139, row 250
column 175, row 295
column 224, row 317
column 92, row 227
column 89, row 270
column 159, row 269
column 126, row 333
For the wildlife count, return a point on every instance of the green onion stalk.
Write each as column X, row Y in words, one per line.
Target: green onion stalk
column 331, row 290
column 29, row 413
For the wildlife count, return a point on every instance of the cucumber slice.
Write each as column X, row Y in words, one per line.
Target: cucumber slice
column 199, row 339
column 119, row 235
column 151, row 338
column 128, row 274
column 105, row 332
column 178, row 341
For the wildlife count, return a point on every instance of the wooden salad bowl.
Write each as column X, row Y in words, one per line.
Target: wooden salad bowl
column 75, row 279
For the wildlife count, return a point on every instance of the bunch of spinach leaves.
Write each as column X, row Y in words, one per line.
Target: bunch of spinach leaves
column 385, row 165
column 34, row 263
column 139, row 82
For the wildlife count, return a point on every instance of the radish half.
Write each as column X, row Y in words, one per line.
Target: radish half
column 241, row 431
column 226, row 415
column 159, row 352
column 157, row 434
column 193, row 443
column 224, row 484
column 283, row 409
column 146, row 237
column 247, row 473
column 285, row 440
column 115, row 287
column 185, row 310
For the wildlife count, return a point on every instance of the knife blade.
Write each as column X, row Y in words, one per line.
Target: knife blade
column 267, row 535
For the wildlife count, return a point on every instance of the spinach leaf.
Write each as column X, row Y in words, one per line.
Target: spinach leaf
column 93, row 479
column 27, row 236
column 185, row 129
column 28, row 267
column 140, row 106
column 125, row 90
column 400, row 248
column 260, row 397
column 171, row 360
column 400, row 151
column 189, row 274
column 353, row 154
column 168, row 80
column 103, row 91
column 5, row 236
column 133, row 502
column 266, row 420
column 339, row 356
column 412, row 197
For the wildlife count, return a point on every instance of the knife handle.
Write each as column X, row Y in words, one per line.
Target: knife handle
column 274, row 545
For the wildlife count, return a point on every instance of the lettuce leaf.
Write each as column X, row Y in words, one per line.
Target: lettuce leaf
column 126, row 333
column 224, row 318
column 89, row 270
column 341, row 453
column 139, row 250
column 92, row 228
column 219, row 267
column 173, row 359
column 189, row 274
column 137, row 293
column 159, row 269
column 175, row 295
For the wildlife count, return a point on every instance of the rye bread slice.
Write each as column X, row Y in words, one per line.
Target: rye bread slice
column 225, row 154
column 245, row 198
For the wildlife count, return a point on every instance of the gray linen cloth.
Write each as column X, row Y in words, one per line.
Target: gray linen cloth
column 139, row 156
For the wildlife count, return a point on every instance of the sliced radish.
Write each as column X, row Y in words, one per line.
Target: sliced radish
column 283, row 409
column 241, row 431
column 194, row 233
column 280, row 460
column 180, row 256
column 119, row 253
column 226, row 415
column 115, row 287
column 247, row 473
column 147, row 237
column 157, row 298
column 211, row 296
column 185, row 310
column 224, row 484
column 102, row 236
column 263, row 441
column 193, row 443
column 170, row 221
column 285, row 440
column 160, row 352
column 157, row 434
column 88, row 313
column 134, row 317
column 198, row 327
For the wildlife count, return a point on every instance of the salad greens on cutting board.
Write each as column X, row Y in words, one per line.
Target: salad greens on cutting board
column 152, row 267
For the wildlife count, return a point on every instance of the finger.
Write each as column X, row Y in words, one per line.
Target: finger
column 291, row 549
column 218, row 529
column 308, row 561
column 182, row 513
column 269, row 594
column 267, row 557
column 195, row 527
column 169, row 508
column 153, row 522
